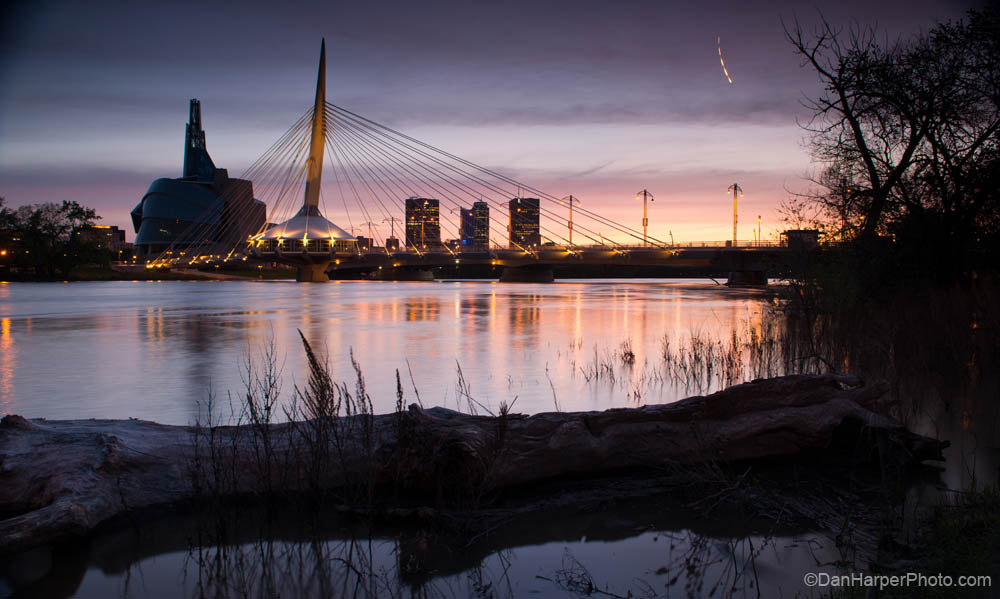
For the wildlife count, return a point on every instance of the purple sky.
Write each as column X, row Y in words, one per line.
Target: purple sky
column 597, row 99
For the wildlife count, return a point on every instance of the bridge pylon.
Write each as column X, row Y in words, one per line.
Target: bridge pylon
column 308, row 240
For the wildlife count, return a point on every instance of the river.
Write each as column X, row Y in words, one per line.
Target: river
column 159, row 350
column 156, row 350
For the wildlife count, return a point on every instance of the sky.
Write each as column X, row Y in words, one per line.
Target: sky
column 598, row 99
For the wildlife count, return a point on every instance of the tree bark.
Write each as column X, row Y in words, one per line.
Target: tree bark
column 60, row 479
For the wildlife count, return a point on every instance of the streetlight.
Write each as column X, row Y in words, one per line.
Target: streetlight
column 392, row 229
column 645, row 221
column 371, row 239
column 569, row 200
column 736, row 189
column 758, row 230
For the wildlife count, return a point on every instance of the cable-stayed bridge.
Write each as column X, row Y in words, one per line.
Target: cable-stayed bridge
column 380, row 174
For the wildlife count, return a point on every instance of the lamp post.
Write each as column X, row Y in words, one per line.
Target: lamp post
column 645, row 221
column 392, row 225
column 758, row 230
column 371, row 239
column 736, row 189
column 569, row 201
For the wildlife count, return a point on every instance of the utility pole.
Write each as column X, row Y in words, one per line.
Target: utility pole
column 569, row 200
column 645, row 221
column 758, row 230
column 736, row 189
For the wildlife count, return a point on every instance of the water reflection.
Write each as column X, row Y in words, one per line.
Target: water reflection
column 652, row 546
column 422, row 309
column 8, row 364
column 154, row 351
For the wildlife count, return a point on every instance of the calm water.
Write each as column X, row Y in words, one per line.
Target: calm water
column 154, row 350
column 648, row 547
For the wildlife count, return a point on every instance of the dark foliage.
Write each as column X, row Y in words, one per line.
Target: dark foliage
column 908, row 134
column 40, row 237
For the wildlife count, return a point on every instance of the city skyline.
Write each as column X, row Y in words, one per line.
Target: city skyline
column 571, row 99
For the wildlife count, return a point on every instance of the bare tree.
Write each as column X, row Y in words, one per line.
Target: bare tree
column 907, row 131
column 869, row 121
column 958, row 168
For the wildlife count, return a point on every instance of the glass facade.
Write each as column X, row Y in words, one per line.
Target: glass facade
column 423, row 228
column 475, row 226
column 523, row 226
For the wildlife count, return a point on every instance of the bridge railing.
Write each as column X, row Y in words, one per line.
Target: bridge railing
column 740, row 243
column 745, row 244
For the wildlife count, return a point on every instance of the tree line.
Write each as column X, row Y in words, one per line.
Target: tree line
column 40, row 238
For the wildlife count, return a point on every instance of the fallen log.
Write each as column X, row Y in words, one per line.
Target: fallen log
column 60, row 479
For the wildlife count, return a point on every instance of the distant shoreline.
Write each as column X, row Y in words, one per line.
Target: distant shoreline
column 84, row 274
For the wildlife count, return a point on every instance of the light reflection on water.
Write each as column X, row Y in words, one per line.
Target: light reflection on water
column 152, row 350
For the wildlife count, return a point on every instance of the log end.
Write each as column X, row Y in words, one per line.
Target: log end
column 14, row 422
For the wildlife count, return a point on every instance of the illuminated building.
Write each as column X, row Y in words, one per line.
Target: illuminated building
column 475, row 228
column 102, row 237
column 467, row 227
column 423, row 229
column 523, row 225
column 203, row 205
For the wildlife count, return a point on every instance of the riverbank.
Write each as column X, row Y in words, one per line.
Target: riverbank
column 140, row 273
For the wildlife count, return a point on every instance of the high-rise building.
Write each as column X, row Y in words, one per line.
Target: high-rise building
column 423, row 228
column 523, row 225
column 467, row 228
column 475, row 226
column 481, row 230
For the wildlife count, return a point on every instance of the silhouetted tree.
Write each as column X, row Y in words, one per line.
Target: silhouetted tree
column 42, row 238
column 908, row 132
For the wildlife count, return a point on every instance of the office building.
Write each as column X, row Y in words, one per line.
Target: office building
column 104, row 237
column 475, row 226
column 423, row 229
column 523, row 227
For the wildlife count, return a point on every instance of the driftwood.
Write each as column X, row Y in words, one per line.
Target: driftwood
column 63, row 478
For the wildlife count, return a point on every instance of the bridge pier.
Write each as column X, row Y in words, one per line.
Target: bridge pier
column 747, row 278
column 312, row 273
column 527, row 274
